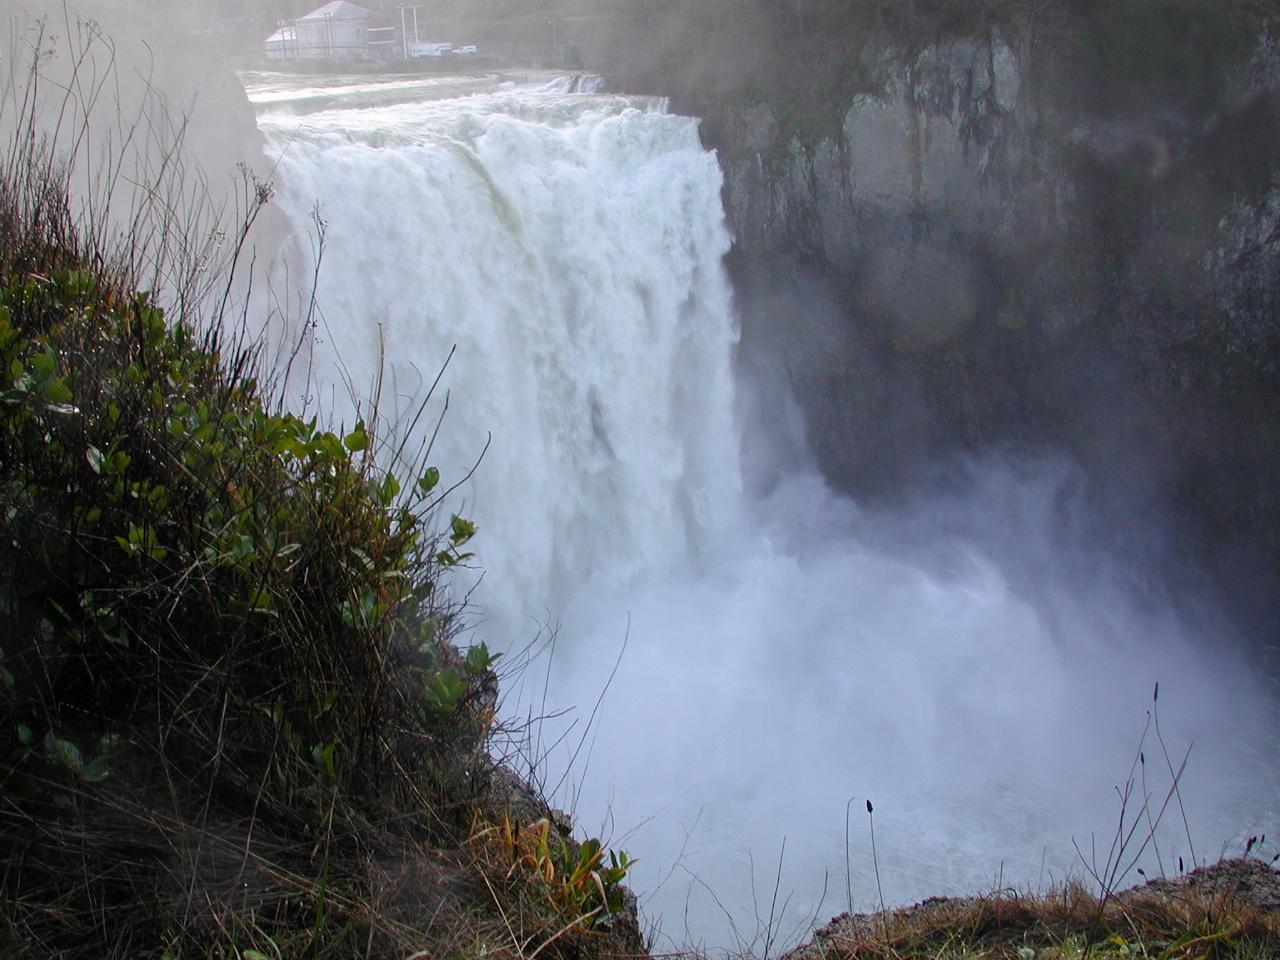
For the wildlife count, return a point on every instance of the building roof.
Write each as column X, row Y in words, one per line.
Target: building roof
column 338, row 10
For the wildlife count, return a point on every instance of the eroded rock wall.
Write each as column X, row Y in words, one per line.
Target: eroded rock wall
column 1009, row 237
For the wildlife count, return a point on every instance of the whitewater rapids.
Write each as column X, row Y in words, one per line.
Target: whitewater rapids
column 971, row 665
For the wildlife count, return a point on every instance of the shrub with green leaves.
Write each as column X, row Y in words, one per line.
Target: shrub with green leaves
column 234, row 720
column 157, row 513
column 574, row 879
column 212, row 611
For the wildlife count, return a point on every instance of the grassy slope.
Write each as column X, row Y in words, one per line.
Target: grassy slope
column 233, row 718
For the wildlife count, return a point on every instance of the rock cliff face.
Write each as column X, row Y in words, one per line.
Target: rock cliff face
column 1019, row 237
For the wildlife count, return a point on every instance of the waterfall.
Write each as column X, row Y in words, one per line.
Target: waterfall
column 970, row 664
column 570, row 248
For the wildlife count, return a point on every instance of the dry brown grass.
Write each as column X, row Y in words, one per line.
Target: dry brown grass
column 1213, row 913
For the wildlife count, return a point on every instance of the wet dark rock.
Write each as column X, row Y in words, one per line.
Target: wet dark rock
column 1005, row 237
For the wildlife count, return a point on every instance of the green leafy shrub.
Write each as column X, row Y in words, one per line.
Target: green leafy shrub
column 234, row 718
column 199, row 592
column 576, row 879
column 155, row 511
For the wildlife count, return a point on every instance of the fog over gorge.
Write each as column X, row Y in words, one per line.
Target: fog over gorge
column 859, row 404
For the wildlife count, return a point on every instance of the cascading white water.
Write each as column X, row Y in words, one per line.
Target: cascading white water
column 784, row 652
column 570, row 249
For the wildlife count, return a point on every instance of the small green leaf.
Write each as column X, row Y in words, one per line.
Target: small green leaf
column 460, row 530
column 427, row 482
column 322, row 755
column 350, row 616
column 261, row 601
column 57, row 392
column 94, row 456
column 427, row 633
column 390, row 487
column 330, row 446
column 95, row 771
column 357, row 439
column 479, row 659
column 64, row 750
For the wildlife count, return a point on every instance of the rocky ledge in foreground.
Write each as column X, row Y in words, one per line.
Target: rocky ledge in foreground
column 1227, row 911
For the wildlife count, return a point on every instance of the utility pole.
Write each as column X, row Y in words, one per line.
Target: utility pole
column 404, row 28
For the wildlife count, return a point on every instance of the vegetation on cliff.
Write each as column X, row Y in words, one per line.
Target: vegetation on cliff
column 235, row 720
